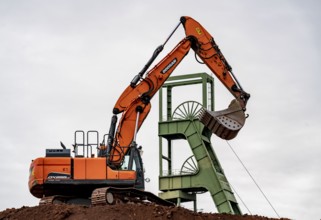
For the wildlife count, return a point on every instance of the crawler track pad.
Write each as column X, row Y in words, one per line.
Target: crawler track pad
column 225, row 123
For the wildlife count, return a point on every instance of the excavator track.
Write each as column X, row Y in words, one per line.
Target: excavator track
column 111, row 196
column 47, row 200
column 59, row 199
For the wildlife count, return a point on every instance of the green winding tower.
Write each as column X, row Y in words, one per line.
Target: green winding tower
column 201, row 172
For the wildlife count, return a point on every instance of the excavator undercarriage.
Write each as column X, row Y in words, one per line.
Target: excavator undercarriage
column 108, row 196
column 111, row 196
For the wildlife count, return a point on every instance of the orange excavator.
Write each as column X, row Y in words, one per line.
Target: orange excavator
column 116, row 173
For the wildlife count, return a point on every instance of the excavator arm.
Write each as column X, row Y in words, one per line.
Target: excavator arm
column 135, row 105
column 206, row 48
column 225, row 123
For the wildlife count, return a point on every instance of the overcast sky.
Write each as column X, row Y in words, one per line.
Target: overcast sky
column 63, row 65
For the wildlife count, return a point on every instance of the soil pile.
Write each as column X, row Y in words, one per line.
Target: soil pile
column 115, row 212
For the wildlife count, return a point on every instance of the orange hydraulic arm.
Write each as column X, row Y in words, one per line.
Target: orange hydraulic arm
column 135, row 100
column 206, row 48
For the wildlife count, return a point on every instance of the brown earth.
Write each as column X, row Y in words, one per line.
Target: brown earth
column 116, row 212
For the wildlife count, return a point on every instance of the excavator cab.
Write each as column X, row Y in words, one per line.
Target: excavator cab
column 224, row 123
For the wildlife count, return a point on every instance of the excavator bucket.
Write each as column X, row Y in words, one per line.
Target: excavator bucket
column 225, row 123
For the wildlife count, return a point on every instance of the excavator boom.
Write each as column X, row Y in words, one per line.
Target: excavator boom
column 137, row 99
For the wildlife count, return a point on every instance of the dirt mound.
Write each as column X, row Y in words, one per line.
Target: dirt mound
column 115, row 212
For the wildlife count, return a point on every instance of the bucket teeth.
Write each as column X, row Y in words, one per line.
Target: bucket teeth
column 226, row 123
